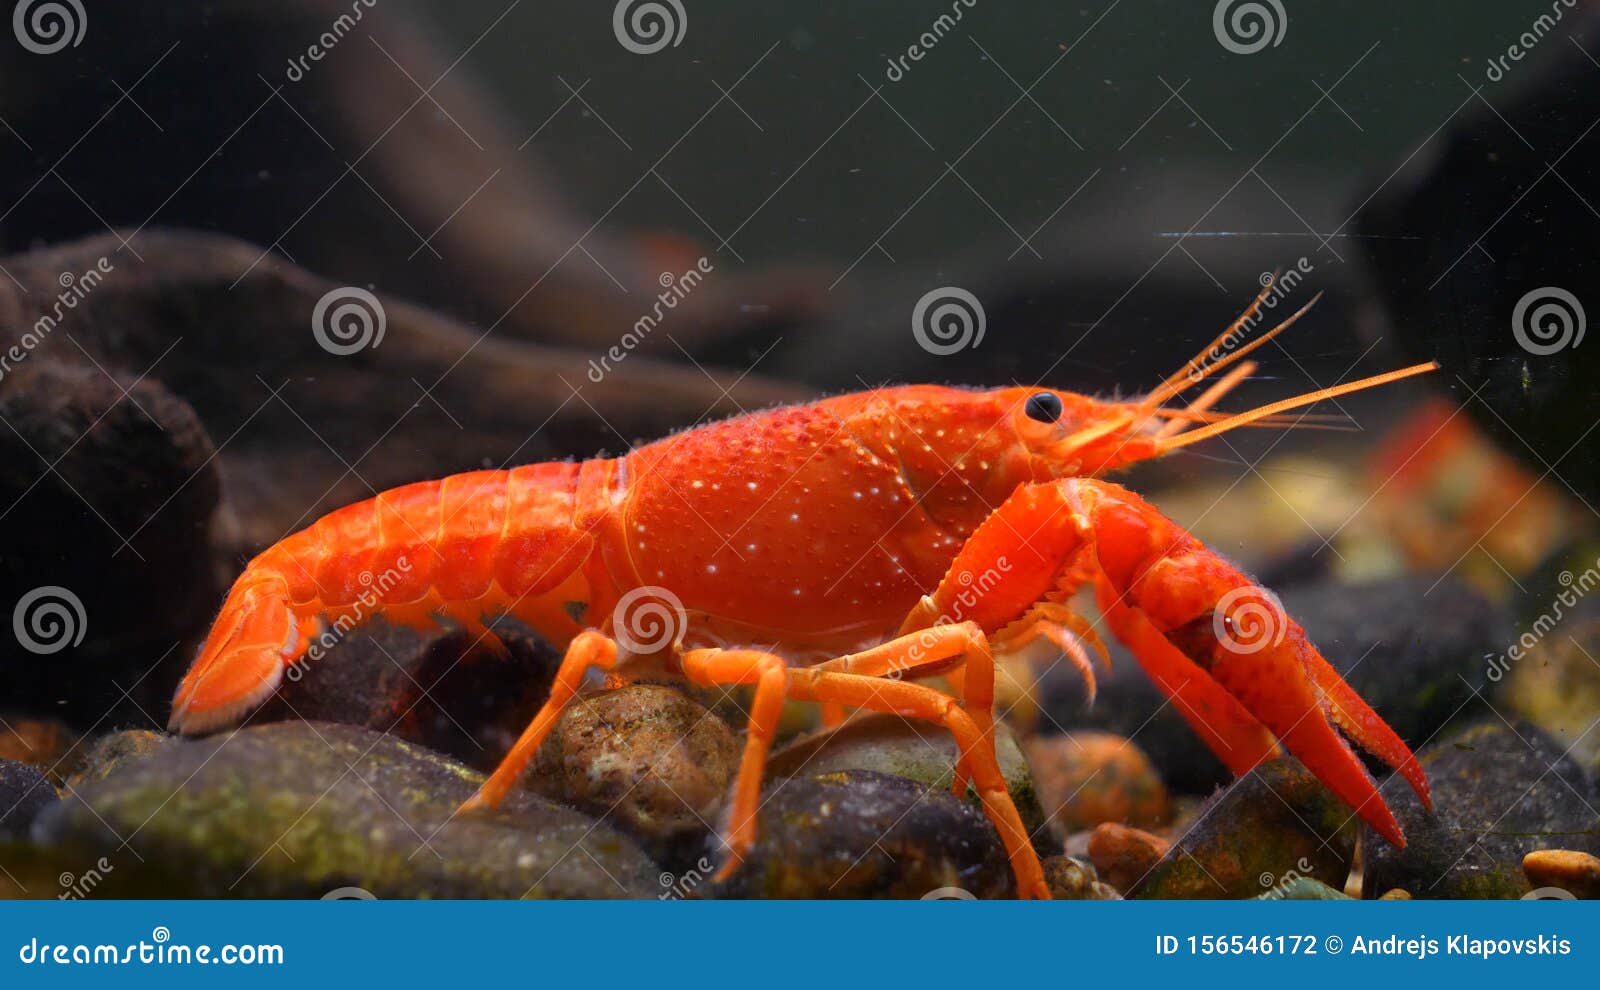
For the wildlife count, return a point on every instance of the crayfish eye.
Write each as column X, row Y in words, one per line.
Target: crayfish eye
column 1043, row 406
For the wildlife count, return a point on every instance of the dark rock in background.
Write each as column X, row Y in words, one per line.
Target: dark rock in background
column 441, row 689
column 1503, row 204
column 88, row 461
column 1499, row 792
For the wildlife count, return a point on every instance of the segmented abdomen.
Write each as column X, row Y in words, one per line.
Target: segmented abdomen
column 465, row 538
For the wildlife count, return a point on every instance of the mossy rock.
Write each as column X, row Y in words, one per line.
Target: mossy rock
column 299, row 809
column 1273, row 825
column 1499, row 792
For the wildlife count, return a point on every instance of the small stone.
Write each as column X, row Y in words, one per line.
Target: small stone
column 918, row 751
column 860, row 834
column 1271, row 826
column 24, row 793
column 1071, row 879
column 1086, row 778
column 1577, row 873
column 1124, row 855
column 649, row 758
column 1499, row 792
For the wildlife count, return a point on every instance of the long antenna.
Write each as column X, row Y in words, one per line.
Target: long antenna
column 1295, row 402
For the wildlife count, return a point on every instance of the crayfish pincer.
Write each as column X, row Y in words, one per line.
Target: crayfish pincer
column 877, row 539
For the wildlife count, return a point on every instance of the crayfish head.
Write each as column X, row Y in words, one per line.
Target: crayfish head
column 1058, row 434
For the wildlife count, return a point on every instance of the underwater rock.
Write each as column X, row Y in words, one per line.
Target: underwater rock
column 443, row 689
column 1270, row 826
column 45, row 744
column 1577, row 873
column 862, row 834
column 299, row 809
column 242, row 339
column 1403, row 648
column 24, row 792
column 1124, row 855
column 1498, row 793
column 1072, row 879
column 1086, row 778
column 111, row 751
column 915, row 750
column 1510, row 250
column 647, row 757
column 91, row 460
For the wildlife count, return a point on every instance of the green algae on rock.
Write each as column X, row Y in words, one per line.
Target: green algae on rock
column 1271, row 826
column 1499, row 792
column 298, row 809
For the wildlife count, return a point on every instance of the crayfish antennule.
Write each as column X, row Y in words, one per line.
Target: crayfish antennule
column 1294, row 402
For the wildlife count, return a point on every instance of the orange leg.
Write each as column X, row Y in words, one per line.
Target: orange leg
column 977, row 751
column 960, row 650
column 588, row 649
column 770, row 676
